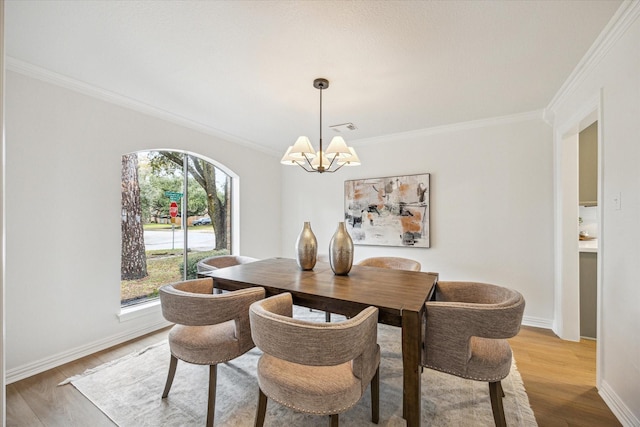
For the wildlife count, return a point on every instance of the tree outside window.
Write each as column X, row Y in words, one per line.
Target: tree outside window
column 156, row 248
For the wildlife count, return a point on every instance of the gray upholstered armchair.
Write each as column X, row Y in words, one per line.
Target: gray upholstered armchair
column 313, row 367
column 209, row 329
column 396, row 263
column 465, row 334
column 221, row 261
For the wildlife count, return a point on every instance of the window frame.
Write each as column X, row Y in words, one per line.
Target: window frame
column 152, row 305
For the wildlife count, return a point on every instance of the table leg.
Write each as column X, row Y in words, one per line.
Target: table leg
column 411, row 358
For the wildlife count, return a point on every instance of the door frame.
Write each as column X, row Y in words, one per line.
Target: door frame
column 567, row 275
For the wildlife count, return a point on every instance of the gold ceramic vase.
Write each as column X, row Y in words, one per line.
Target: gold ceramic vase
column 306, row 248
column 341, row 251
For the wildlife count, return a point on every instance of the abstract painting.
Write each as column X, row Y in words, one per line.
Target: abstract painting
column 390, row 211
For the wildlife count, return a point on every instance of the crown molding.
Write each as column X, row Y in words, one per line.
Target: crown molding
column 30, row 70
column 455, row 127
column 585, row 114
column 624, row 17
column 548, row 116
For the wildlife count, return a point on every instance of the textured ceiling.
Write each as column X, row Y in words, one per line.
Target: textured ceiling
column 245, row 68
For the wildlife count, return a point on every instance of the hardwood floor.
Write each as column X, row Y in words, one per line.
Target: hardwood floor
column 559, row 377
column 39, row 401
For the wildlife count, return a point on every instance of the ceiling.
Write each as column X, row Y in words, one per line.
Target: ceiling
column 244, row 69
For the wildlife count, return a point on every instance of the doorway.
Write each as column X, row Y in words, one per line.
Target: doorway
column 588, row 228
column 567, row 259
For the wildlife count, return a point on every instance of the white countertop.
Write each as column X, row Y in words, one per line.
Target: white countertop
column 588, row 245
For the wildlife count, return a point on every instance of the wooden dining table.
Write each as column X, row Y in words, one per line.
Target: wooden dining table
column 399, row 295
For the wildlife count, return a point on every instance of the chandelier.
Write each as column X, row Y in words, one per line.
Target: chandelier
column 337, row 154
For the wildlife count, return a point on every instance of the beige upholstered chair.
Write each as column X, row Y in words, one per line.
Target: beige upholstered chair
column 209, row 329
column 221, row 261
column 314, row 367
column 465, row 334
column 395, row 263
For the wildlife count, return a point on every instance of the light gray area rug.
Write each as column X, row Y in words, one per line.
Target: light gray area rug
column 128, row 391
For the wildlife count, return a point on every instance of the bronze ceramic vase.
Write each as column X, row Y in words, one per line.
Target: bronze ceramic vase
column 341, row 251
column 306, row 248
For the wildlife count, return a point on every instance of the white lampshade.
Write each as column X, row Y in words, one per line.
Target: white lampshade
column 354, row 160
column 288, row 159
column 301, row 148
column 338, row 148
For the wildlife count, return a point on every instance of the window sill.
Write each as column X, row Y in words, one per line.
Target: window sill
column 139, row 310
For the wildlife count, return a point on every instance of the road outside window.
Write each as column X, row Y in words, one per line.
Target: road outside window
column 173, row 203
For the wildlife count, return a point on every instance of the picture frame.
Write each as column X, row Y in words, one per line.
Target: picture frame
column 388, row 211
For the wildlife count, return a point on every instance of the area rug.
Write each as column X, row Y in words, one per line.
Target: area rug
column 128, row 391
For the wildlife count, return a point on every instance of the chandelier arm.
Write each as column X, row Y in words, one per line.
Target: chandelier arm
column 332, row 162
column 304, row 168
column 308, row 161
column 336, row 169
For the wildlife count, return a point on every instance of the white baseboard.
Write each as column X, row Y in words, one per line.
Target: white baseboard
column 617, row 406
column 33, row 368
column 537, row 322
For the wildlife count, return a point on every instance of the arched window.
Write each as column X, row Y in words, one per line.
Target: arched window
column 176, row 210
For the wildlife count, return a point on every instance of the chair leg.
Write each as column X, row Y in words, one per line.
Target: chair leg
column 211, row 405
column 327, row 317
column 262, row 409
column 375, row 397
column 495, row 391
column 172, row 372
column 333, row 422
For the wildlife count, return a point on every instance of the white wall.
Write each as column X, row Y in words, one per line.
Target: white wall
column 491, row 203
column 617, row 76
column 63, row 216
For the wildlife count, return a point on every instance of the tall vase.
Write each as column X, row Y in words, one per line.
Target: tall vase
column 306, row 248
column 341, row 251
